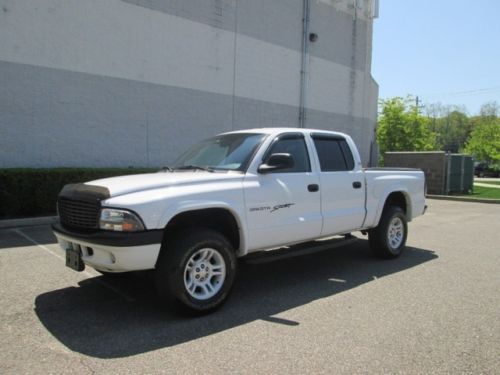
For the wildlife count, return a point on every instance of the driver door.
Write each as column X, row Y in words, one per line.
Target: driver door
column 283, row 206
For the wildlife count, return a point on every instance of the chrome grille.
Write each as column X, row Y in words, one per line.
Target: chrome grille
column 78, row 213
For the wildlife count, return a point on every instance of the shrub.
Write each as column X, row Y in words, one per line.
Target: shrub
column 33, row 191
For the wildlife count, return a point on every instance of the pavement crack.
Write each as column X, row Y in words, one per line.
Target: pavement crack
column 87, row 366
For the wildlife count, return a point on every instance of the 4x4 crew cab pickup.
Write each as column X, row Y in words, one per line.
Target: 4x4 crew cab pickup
column 231, row 195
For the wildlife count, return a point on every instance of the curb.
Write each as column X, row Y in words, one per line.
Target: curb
column 463, row 199
column 484, row 184
column 28, row 222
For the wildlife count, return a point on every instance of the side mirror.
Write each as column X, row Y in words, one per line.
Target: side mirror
column 277, row 162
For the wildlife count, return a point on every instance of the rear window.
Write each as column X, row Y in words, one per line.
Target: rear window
column 334, row 154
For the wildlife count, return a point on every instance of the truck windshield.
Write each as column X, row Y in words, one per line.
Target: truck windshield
column 230, row 152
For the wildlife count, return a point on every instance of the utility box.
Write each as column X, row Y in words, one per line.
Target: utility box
column 445, row 173
column 460, row 174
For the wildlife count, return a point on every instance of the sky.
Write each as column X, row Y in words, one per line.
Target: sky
column 444, row 51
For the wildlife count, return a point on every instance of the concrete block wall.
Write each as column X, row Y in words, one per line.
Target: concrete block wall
column 136, row 82
column 432, row 163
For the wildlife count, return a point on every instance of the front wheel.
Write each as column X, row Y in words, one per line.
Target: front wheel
column 196, row 269
column 388, row 239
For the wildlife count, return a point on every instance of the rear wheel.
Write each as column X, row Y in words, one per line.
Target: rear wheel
column 388, row 239
column 196, row 269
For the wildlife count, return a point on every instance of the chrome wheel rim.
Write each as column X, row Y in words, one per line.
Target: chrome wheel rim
column 204, row 274
column 395, row 233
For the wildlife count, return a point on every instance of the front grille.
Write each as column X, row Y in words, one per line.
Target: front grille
column 78, row 214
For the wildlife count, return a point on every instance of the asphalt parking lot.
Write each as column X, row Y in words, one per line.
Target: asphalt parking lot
column 434, row 310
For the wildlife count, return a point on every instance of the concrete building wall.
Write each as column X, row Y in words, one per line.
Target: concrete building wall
column 135, row 82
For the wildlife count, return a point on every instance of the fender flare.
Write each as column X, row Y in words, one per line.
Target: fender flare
column 196, row 205
column 397, row 189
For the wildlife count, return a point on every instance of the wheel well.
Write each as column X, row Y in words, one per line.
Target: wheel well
column 397, row 199
column 218, row 219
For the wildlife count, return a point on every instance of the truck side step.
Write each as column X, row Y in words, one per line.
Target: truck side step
column 304, row 248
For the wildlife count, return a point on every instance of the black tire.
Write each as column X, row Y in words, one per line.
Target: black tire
column 393, row 219
column 172, row 275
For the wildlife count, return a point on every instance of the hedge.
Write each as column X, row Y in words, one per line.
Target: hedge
column 33, row 192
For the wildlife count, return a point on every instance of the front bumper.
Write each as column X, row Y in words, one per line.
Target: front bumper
column 113, row 251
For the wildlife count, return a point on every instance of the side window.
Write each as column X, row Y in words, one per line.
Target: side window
column 346, row 150
column 295, row 146
column 334, row 154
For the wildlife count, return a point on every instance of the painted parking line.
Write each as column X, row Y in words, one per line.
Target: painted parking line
column 90, row 275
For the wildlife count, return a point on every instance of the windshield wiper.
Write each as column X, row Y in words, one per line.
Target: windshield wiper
column 195, row 167
column 167, row 169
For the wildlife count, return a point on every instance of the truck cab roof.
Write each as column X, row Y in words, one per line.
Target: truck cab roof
column 275, row 131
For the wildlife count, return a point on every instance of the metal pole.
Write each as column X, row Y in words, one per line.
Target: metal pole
column 462, row 173
column 448, row 172
column 305, row 56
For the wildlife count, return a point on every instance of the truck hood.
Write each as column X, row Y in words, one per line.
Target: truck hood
column 140, row 182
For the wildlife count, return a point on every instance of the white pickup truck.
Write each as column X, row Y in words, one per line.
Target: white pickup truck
column 234, row 194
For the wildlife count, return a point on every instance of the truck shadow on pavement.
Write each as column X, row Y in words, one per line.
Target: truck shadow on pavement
column 98, row 322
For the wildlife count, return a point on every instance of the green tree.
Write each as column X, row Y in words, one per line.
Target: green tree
column 454, row 131
column 490, row 110
column 484, row 141
column 402, row 128
column 451, row 125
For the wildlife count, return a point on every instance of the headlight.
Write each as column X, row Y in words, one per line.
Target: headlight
column 120, row 220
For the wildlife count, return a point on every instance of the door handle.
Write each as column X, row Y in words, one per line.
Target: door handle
column 313, row 187
column 357, row 185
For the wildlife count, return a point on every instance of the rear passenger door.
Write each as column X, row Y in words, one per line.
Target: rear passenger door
column 341, row 185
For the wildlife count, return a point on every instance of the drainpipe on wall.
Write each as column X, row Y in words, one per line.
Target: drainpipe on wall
column 303, row 69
